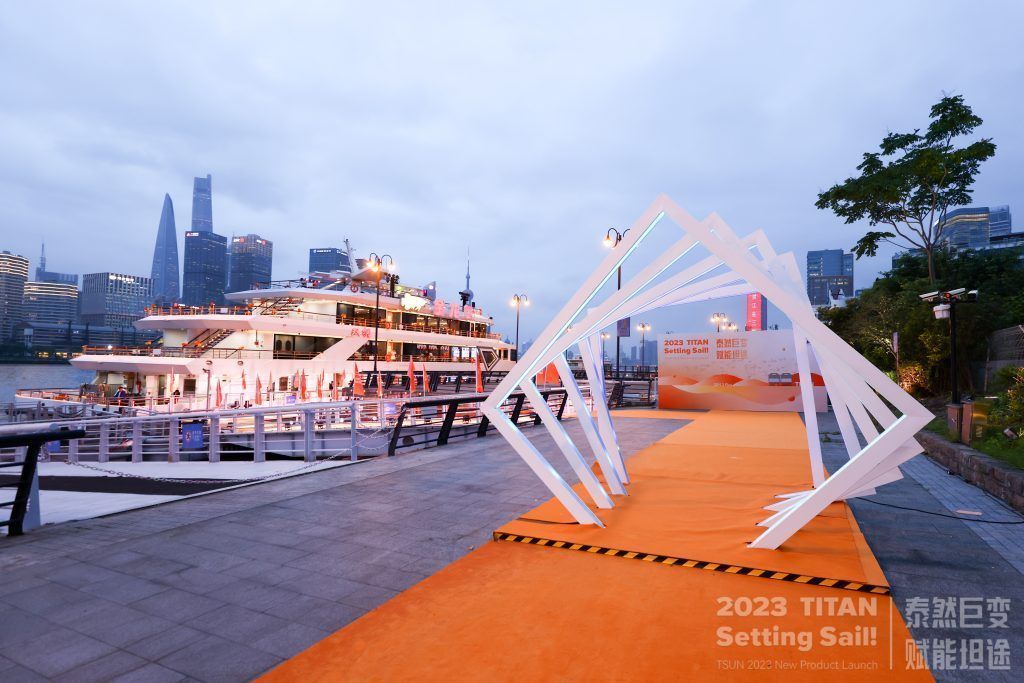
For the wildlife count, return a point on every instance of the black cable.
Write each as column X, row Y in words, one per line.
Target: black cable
column 939, row 514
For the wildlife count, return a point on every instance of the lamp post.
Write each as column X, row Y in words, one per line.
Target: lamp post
column 378, row 264
column 611, row 240
column 719, row 319
column 518, row 300
column 644, row 328
column 604, row 352
column 946, row 310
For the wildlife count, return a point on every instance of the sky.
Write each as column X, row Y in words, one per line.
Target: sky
column 517, row 131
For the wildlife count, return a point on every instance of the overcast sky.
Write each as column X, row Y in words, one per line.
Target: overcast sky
column 520, row 131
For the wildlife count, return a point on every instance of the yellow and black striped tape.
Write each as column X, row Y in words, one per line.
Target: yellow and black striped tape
column 698, row 564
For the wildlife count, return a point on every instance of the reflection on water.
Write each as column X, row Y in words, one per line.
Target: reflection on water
column 39, row 377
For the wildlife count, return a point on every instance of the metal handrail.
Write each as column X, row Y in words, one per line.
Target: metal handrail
column 33, row 441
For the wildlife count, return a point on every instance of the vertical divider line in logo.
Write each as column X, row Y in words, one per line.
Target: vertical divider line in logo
column 891, row 599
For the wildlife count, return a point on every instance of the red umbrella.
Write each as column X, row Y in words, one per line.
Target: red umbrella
column 426, row 378
column 357, row 383
column 259, row 391
column 479, row 376
column 220, row 396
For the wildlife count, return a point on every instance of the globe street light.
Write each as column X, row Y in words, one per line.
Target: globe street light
column 604, row 353
column 377, row 265
column 518, row 300
column 611, row 240
column 719, row 319
column 644, row 328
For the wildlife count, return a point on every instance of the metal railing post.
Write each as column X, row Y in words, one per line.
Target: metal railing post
column 214, row 455
column 396, row 432
column 354, row 432
column 173, row 432
column 73, row 448
column 308, row 427
column 104, row 449
column 136, row 440
column 446, row 426
column 259, row 451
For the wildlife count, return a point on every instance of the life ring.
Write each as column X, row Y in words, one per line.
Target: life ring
column 354, row 288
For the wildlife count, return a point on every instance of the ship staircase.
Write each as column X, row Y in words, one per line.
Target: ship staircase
column 207, row 339
column 277, row 306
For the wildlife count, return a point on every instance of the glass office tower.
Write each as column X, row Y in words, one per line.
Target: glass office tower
column 205, row 272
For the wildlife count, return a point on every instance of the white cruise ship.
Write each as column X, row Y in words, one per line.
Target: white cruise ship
column 311, row 339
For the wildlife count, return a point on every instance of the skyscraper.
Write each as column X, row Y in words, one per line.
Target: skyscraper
column 329, row 259
column 828, row 270
column 44, row 275
column 50, row 302
column 251, row 262
column 13, row 276
column 205, row 272
column 974, row 227
column 757, row 312
column 165, row 257
column 114, row 299
column 202, row 204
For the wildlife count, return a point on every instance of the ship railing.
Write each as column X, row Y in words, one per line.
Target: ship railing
column 309, row 432
column 313, row 316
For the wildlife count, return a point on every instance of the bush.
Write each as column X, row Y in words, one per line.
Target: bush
column 913, row 378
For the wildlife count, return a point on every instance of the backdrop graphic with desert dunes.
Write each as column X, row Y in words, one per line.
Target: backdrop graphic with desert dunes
column 733, row 371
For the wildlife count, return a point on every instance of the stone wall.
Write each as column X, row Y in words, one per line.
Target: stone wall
column 997, row 478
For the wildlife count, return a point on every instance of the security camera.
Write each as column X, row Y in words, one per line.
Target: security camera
column 957, row 292
column 929, row 296
column 972, row 295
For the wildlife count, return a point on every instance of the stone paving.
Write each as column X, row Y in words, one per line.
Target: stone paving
column 931, row 560
column 225, row 586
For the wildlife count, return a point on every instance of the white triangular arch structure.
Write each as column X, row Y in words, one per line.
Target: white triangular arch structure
column 856, row 388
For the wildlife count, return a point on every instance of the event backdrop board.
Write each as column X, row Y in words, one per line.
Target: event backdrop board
column 733, row 371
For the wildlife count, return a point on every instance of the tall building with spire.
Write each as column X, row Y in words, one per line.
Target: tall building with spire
column 202, row 204
column 165, row 272
column 467, row 294
column 44, row 275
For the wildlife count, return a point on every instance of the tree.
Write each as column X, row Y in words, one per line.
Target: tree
column 908, row 185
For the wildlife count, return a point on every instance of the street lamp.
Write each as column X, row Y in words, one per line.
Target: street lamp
column 518, row 300
column 644, row 328
column 377, row 265
column 604, row 352
column 611, row 240
column 719, row 319
column 946, row 310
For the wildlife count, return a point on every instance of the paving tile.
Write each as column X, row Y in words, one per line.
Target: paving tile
column 124, row 588
column 103, row 669
column 237, row 623
column 150, row 673
column 41, row 655
column 369, row 597
column 176, row 605
column 45, row 598
column 218, row 660
column 165, row 642
column 290, row 640
column 17, row 625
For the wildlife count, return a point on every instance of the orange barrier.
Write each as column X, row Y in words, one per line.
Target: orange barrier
column 521, row 611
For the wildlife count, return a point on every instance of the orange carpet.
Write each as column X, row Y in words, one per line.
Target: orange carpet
column 510, row 611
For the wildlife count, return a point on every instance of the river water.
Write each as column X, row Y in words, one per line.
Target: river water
column 32, row 376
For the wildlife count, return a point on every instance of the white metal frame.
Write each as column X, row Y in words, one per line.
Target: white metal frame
column 855, row 387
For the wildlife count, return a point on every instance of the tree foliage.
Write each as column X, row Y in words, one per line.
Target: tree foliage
column 912, row 180
column 892, row 304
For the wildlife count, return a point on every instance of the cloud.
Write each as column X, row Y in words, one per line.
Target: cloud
column 521, row 131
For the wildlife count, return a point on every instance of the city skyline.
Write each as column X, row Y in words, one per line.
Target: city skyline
column 402, row 155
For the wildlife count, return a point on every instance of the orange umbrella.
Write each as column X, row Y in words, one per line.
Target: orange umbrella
column 220, row 396
column 335, row 387
column 302, row 386
column 259, row 391
column 380, row 386
column 357, row 383
column 243, row 381
column 426, row 379
column 320, row 386
column 412, row 377
column 479, row 376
